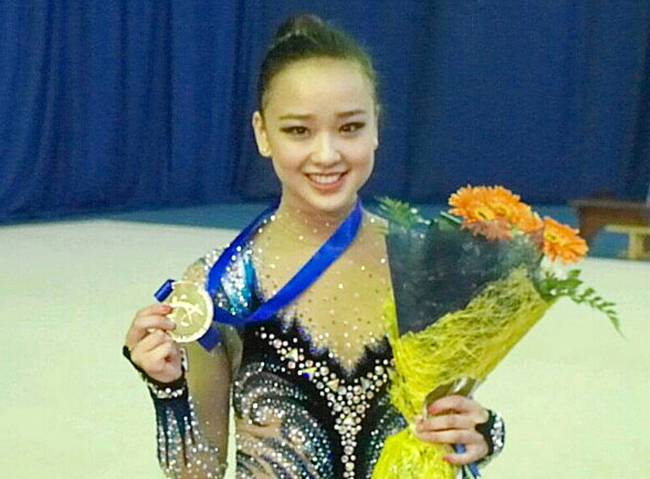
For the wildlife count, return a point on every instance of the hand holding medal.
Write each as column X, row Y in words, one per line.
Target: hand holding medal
column 151, row 346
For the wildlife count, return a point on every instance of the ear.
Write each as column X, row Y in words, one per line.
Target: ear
column 376, row 132
column 261, row 138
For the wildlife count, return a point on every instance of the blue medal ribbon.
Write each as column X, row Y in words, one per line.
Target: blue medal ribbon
column 469, row 468
column 327, row 254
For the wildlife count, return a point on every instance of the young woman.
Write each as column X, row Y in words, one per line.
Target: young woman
column 309, row 383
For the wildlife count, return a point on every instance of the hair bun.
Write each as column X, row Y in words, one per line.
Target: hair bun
column 303, row 37
column 299, row 25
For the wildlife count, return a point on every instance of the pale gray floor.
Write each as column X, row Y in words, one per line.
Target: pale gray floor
column 575, row 394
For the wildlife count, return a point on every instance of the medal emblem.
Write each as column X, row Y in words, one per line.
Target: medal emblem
column 193, row 311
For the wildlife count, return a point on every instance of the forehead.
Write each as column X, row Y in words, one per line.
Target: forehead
column 320, row 84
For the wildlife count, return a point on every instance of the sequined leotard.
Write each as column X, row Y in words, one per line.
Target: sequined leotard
column 309, row 387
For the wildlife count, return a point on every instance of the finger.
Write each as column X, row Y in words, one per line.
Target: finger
column 446, row 421
column 162, row 352
column 142, row 326
column 462, row 405
column 162, row 356
column 141, row 353
column 153, row 309
column 451, row 403
column 151, row 341
column 472, row 454
column 453, row 436
column 149, row 323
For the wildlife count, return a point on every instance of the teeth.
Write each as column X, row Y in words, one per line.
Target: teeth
column 325, row 179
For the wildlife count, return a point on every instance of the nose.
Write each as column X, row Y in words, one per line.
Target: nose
column 325, row 149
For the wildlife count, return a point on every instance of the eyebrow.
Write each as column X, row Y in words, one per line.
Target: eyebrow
column 345, row 114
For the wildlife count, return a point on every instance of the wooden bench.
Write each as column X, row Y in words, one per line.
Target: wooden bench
column 595, row 213
column 638, row 239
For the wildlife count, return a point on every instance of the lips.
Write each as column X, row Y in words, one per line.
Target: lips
column 326, row 180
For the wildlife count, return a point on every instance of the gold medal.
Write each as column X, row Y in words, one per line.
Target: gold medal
column 193, row 311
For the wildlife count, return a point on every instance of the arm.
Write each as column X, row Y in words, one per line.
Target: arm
column 193, row 426
column 190, row 388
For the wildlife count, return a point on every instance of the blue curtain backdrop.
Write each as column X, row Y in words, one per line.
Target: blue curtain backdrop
column 118, row 104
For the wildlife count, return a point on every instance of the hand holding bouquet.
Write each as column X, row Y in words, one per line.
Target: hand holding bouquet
column 466, row 291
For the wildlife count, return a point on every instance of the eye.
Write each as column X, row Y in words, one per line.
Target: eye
column 352, row 126
column 296, row 130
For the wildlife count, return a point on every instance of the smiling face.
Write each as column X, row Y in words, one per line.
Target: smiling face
column 319, row 127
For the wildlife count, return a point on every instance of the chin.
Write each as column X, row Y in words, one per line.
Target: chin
column 331, row 206
column 340, row 202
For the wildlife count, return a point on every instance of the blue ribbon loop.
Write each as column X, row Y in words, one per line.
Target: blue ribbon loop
column 165, row 290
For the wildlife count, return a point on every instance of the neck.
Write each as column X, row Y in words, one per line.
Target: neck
column 309, row 225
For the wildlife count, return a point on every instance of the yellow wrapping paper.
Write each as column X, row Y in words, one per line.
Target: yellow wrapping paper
column 463, row 344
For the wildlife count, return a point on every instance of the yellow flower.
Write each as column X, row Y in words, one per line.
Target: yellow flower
column 562, row 241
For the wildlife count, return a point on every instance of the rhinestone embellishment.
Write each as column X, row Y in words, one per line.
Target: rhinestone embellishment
column 348, row 400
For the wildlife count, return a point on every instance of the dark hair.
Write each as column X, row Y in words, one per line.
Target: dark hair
column 307, row 36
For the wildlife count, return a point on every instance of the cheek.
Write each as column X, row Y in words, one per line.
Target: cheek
column 285, row 156
column 288, row 152
column 287, row 164
column 363, row 155
column 368, row 167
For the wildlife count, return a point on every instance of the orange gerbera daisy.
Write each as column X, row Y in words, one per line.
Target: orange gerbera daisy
column 463, row 199
column 472, row 204
column 562, row 241
column 503, row 202
column 526, row 219
column 485, row 203
column 494, row 229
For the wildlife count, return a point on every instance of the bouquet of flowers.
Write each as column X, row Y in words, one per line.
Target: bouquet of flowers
column 465, row 292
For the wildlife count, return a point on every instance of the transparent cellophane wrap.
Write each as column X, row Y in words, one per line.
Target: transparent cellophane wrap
column 463, row 344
